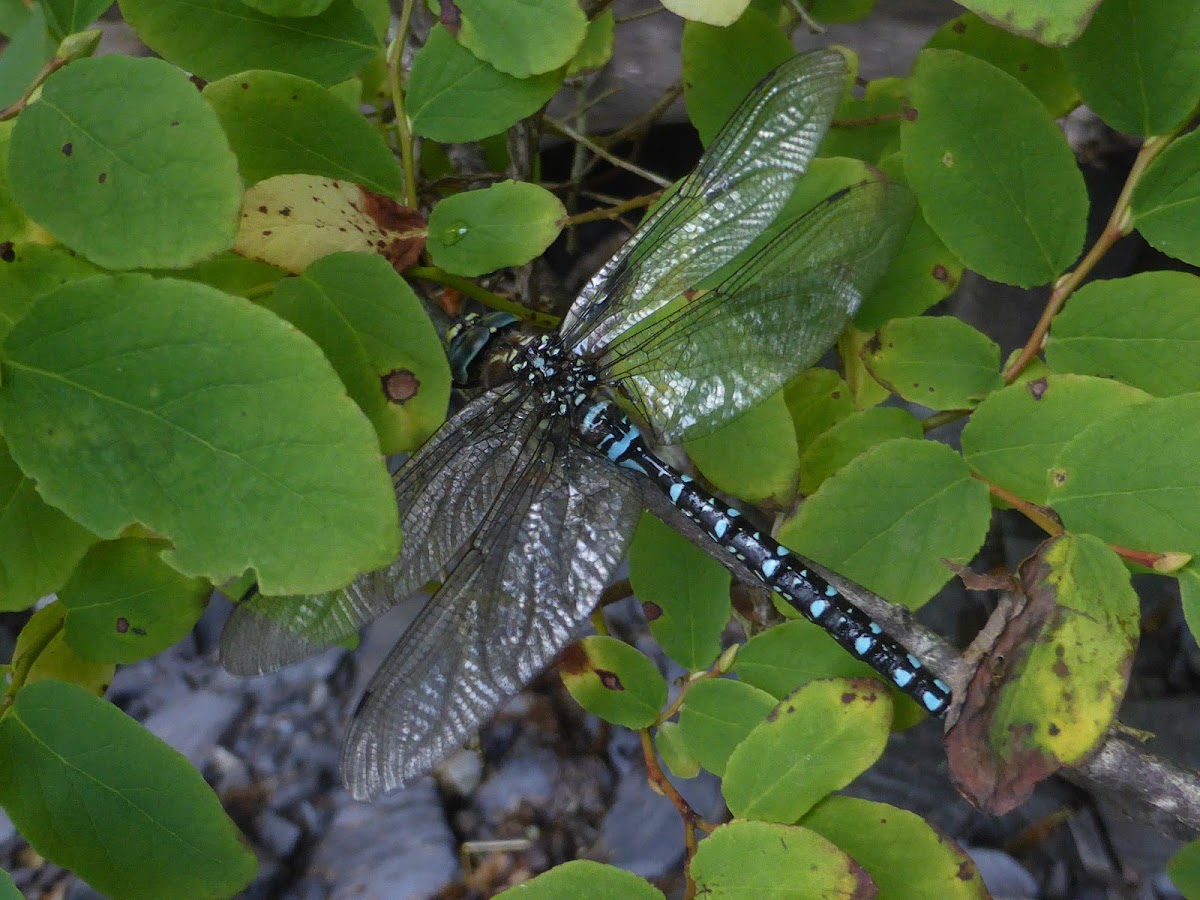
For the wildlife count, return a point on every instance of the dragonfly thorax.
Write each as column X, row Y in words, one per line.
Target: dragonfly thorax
column 565, row 381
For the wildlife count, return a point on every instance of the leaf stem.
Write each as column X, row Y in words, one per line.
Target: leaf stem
column 403, row 132
column 1119, row 224
column 483, row 295
column 568, row 132
column 611, row 212
column 691, row 819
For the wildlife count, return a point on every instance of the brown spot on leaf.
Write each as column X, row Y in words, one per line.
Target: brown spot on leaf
column 175, row 124
column 573, row 661
column 849, row 697
column 652, row 611
column 140, row 632
column 1059, row 477
column 1053, row 730
column 966, row 870
column 959, row 27
column 450, row 16
column 122, row 625
column 7, row 253
column 940, row 273
column 1037, row 388
column 1023, row 67
column 103, row 177
column 286, row 211
column 1061, row 669
column 245, row 85
column 400, row 385
column 263, row 210
column 68, row 148
column 610, row 680
column 267, row 233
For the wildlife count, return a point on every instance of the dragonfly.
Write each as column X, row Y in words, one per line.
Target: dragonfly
column 523, row 504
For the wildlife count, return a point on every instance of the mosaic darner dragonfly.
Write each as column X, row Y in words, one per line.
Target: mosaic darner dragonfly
column 526, row 499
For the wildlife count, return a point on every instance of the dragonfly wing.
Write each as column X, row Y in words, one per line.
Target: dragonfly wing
column 738, row 187
column 709, row 358
column 529, row 577
column 443, row 493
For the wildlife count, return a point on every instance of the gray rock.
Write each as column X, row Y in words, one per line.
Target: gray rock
column 194, row 723
column 1002, row 875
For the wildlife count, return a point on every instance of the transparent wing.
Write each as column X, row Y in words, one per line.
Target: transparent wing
column 443, row 493
column 738, row 187
column 528, row 579
column 707, row 358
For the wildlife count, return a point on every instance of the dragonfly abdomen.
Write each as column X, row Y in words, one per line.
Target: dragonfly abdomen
column 609, row 432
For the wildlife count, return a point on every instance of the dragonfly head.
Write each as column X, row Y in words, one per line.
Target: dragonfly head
column 474, row 341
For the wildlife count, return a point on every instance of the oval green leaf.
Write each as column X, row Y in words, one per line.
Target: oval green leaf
column 1016, row 434
column 684, row 593
column 582, row 879
column 372, row 327
column 98, row 182
column 29, row 47
column 124, row 603
column 220, row 37
column 35, row 270
column 39, row 545
column 206, row 419
column 78, row 772
column 816, row 741
column 1166, row 200
column 754, row 456
column 1122, row 481
column 522, row 39
column 816, row 400
column 64, row 17
column 967, row 168
column 867, row 128
column 1156, row 350
column 668, row 741
column 507, row 224
column 901, row 852
column 759, row 859
column 722, row 65
column 717, row 715
column 710, row 12
column 1184, row 869
column 1050, row 24
column 834, row 448
column 42, row 653
column 613, row 680
column 1048, row 688
column 453, row 96
column 297, row 8
column 940, row 362
column 282, row 124
column 1136, row 64
column 597, row 47
column 1038, row 67
column 889, row 518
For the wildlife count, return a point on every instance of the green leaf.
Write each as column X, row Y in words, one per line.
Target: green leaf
column 100, row 182
column 867, row 127
column 29, row 47
column 230, row 273
column 816, row 741
column 834, row 448
column 922, row 274
column 290, row 221
column 13, row 221
column 717, row 715
column 722, row 65
column 1016, row 434
column 1122, row 481
column 613, row 680
column 582, row 879
column 507, row 224
column 889, row 518
column 684, row 593
column 221, row 37
column 35, row 269
column 124, row 603
column 64, row 17
column 296, row 8
column 1157, row 349
column 39, row 546
column 453, row 96
column 838, row 11
column 522, row 39
column 372, row 327
column 597, row 47
column 1052, row 24
column 8, row 890
column 279, row 124
column 42, row 653
column 754, row 456
column 1166, row 200
column 816, row 400
column 1136, row 65
column 967, row 169
column 710, row 12
column 905, row 857
column 93, row 791
column 668, row 741
column 783, row 862
column 206, row 419
column 1184, row 869
column 1038, row 67
column 940, row 362
column 1052, row 680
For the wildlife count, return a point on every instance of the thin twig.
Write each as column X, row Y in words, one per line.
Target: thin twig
column 495, row 301
column 568, row 132
column 396, row 87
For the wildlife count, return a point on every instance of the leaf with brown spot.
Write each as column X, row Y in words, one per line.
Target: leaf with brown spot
column 614, row 681
column 1049, row 686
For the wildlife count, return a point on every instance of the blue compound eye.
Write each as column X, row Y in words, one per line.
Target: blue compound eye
column 468, row 338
